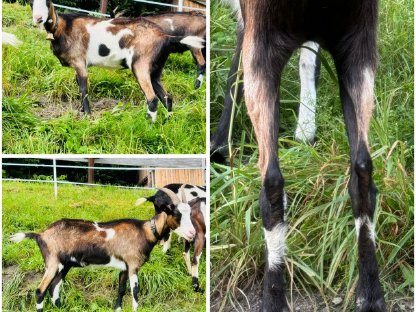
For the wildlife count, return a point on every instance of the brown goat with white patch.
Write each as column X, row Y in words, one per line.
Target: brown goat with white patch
column 138, row 44
column 122, row 244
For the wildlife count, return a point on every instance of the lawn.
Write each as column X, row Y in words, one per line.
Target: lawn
column 164, row 282
column 322, row 250
column 41, row 102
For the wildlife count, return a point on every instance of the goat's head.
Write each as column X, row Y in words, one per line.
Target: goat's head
column 178, row 212
column 40, row 11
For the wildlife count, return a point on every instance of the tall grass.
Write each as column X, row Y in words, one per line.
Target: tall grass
column 41, row 102
column 164, row 282
column 322, row 248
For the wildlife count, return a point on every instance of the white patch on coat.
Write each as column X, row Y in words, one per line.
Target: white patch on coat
column 133, row 282
column 55, row 295
column 109, row 233
column 170, row 21
column 99, row 35
column 306, row 128
column 193, row 42
column 276, row 247
column 365, row 221
column 195, row 267
column 186, row 228
column 40, row 9
column 117, row 264
column 39, row 305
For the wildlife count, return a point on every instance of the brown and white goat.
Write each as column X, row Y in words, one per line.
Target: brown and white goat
column 195, row 196
column 347, row 29
column 185, row 24
column 123, row 244
column 138, row 44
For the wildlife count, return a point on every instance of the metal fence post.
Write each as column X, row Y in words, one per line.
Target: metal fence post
column 55, row 178
column 180, row 5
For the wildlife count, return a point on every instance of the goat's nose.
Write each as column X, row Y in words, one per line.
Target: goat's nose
column 38, row 18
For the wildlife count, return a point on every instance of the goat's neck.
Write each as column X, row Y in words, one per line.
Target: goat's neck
column 52, row 24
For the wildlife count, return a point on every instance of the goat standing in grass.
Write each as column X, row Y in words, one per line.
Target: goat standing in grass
column 184, row 24
column 195, row 196
column 348, row 30
column 123, row 244
column 138, row 44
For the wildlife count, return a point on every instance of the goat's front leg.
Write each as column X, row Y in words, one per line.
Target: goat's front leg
column 141, row 71
column 264, row 58
column 122, row 282
column 356, row 77
column 134, row 287
column 309, row 65
column 187, row 256
column 199, row 246
column 200, row 61
column 82, row 80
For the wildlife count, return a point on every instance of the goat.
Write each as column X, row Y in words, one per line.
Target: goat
column 309, row 68
column 348, row 31
column 196, row 197
column 123, row 244
column 184, row 24
column 138, row 44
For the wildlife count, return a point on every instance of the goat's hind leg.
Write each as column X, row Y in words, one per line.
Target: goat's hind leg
column 356, row 77
column 161, row 93
column 50, row 273
column 200, row 61
column 56, row 284
column 263, row 61
column 82, row 81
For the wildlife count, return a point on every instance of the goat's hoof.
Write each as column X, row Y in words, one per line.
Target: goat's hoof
column 218, row 154
column 58, row 303
column 198, row 289
column 197, row 84
column 364, row 305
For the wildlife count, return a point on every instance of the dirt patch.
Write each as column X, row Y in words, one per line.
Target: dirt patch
column 250, row 301
column 47, row 110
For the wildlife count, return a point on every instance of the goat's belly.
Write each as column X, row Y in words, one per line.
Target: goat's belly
column 112, row 263
column 116, row 60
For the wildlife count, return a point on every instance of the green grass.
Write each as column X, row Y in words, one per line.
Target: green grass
column 164, row 285
column 322, row 248
column 41, row 101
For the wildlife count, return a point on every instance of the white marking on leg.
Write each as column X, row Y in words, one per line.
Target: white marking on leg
column 200, row 78
column 276, row 247
column 109, row 233
column 195, row 267
column 152, row 115
column 365, row 221
column 60, row 267
column 55, row 295
column 133, row 282
column 39, row 305
column 305, row 130
column 166, row 244
column 187, row 257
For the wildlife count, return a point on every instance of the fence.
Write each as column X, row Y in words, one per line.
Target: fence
column 103, row 7
column 152, row 171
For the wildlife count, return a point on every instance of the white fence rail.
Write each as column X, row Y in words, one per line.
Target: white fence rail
column 180, row 7
column 55, row 180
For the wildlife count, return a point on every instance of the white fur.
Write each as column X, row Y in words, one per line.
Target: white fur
column 18, row 237
column 55, row 295
column 365, row 221
column 108, row 232
column 133, row 282
column 166, row 244
column 186, row 227
column 10, row 39
column 170, row 21
column 276, row 247
column 117, row 264
column 193, row 41
column 152, row 115
column 60, row 267
column 306, row 128
column 40, row 9
column 141, row 201
column 187, row 258
column 39, row 306
column 200, row 78
column 99, row 35
column 195, row 267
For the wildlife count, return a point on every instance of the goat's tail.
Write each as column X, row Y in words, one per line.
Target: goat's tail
column 18, row 237
column 10, row 39
column 193, row 41
column 141, row 201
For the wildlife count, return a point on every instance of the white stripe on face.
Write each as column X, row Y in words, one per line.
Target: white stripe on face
column 275, row 242
column 40, row 10
column 186, row 228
